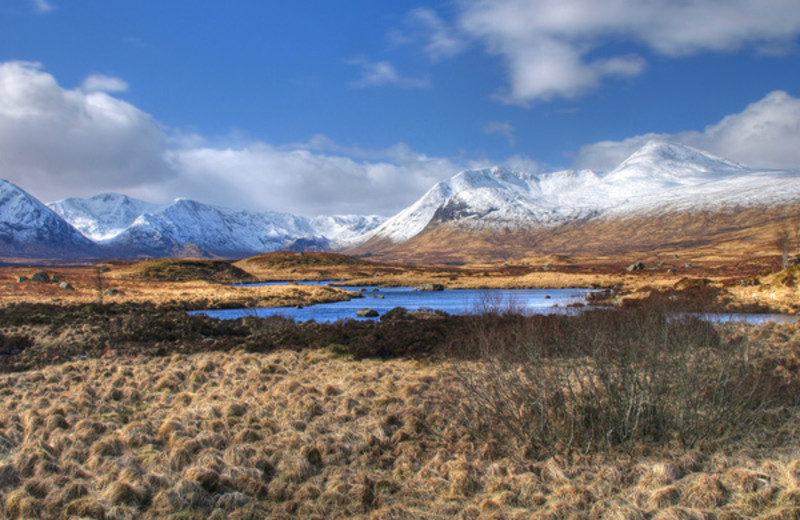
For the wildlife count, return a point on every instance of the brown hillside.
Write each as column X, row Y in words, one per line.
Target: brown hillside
column 731, row 234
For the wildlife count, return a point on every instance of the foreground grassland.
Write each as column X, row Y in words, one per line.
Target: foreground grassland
column 314, row 435
column 398, row 418
column 134, row 409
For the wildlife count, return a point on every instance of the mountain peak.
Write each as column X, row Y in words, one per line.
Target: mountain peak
column 28, row 228
column 670, row 154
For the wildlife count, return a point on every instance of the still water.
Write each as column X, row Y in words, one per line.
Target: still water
column 454, row 301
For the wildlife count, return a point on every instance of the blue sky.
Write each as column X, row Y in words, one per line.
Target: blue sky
column 360, row 106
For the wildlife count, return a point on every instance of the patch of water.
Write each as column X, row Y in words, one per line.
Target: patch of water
column 453, row 301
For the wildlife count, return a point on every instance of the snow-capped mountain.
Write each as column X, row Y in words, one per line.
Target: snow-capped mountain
column 103, row 216
column 216, row 230
column 661, row 182
column 658, row 177
column 130, row 227
column 344, row 230
column 28, row 229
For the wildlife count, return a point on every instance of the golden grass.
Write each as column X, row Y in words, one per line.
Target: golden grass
column 121, row 284
column 316, row 434
column 743, row 280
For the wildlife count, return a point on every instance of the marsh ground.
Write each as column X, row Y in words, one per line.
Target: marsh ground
column 132, row 409
column 715, row 280
column 319, row 434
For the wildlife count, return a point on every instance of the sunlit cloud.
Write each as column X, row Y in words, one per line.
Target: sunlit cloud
column 380, row 73
column 102, row 83
column 565, row 48
column 764, row 135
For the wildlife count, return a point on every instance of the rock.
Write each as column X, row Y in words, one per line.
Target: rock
column 66, row 286
column 21, row 279
column 638, row 266
column 367, row 313
column 112, row 292
column 598, row 296
column 430, row 287
column 41, row 277
column 398, row 313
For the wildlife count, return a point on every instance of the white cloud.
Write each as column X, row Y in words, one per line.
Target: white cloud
column 71, row 141
column 764, row 135
column 42, row 6
column 549, row 45
column 504, row 128
column 380, row 73
column 57, row 142
column 305, row 182
column 102, row 83
column 440, row 40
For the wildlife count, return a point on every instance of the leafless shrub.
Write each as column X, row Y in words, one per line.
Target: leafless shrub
column 551, row 384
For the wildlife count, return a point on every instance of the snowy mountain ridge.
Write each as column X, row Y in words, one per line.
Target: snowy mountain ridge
column 103, row 216
column 658, row 177
column 132, row 227
column 29, row 228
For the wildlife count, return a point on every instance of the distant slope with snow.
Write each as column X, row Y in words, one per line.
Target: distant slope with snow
column 103, row 216
column 130, row 227
column 659, row 177
column 29, row 229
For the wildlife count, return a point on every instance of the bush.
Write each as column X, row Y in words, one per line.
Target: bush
column 548, row 384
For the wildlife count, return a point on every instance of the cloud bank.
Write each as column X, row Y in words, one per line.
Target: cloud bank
column 563, row 48
column 57, row 139
column 57, row 142
column 764, row 135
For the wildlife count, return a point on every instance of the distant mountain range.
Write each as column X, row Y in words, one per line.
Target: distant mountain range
column 493, row 211
column 112, row 225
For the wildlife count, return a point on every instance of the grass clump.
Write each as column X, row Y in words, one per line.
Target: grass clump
column 217, row 271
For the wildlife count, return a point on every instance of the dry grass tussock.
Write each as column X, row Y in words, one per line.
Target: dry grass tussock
column 319, row 434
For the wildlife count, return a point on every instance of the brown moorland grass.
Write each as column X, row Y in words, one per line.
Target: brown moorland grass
column 318, row 434
column 160, row 283
column 741, row 282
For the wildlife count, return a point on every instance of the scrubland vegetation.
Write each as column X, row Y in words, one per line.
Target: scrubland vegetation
column 126, row 407
column 140, row 411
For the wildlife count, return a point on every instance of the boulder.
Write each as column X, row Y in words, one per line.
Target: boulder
column 430, row 287
column 66, row 286
column 638, row 266
column 367, row 313
column 41, row 277
column 21, row 279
